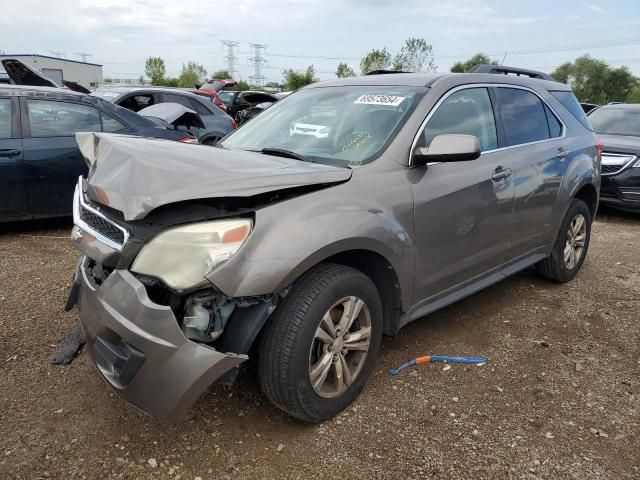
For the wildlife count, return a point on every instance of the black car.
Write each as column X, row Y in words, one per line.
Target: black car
column 216, row 122
column 238, row 101
column 618, row 129
column 39, row 158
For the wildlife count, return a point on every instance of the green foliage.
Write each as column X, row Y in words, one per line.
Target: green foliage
column 593, row 81
column 375, row 60
column 168, row 82
column 154, row 69
column 221, row 75
column 294, row 80
column 241, row 86
column 477, row 59
column 344, row 71
column 192, row 75
column 416, row 55
column 634, row 94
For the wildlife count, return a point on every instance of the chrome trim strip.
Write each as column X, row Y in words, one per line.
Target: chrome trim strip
column 78, row 202
column 631, row 162
column 486, row 85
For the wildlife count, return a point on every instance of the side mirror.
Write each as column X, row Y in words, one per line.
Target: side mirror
column 448, row 148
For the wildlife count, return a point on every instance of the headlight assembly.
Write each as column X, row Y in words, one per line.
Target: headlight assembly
column 182, row 256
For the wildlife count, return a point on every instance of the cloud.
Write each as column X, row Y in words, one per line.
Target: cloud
column 596, row 9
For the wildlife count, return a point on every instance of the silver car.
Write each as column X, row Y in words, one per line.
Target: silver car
column 304, row 250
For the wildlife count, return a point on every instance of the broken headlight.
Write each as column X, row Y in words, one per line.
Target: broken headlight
column 182, row 256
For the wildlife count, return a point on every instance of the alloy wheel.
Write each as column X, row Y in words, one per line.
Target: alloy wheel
column 339, row 347
column 575, row 241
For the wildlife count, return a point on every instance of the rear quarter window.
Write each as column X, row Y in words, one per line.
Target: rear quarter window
column 570, row 102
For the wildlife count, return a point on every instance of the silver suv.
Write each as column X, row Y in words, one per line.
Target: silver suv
column 305, row 249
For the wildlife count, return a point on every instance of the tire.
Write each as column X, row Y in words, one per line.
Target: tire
column 555, row 266
column 290, row 349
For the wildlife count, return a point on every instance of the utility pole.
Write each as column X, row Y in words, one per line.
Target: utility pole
column 84, row 56
column 258, row 62
column 231, row 58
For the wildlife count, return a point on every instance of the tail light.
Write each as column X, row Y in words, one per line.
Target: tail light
column 234, row 124
column 188, row 140
column 600, row 147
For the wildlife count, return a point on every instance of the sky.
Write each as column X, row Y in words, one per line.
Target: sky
column 121, row 34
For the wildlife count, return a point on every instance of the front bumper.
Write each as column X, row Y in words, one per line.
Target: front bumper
column 139, row 349
column 622, row 190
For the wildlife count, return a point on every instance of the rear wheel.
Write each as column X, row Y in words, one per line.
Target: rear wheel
column 571, row 245
column 321, row 345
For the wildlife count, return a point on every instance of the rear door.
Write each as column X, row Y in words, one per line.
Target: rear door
column 52, row 159
column 462, row 209
column 13, row 196
column 533, row 139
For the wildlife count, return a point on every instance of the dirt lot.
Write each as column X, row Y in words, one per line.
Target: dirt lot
column 559, row 397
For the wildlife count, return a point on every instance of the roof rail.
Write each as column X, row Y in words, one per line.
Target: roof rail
column 500, row 69
column 384, row 72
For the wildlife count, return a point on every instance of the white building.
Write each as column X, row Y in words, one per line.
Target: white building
column 57, row 69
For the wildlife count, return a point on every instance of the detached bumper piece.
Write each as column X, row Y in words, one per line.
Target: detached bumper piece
column 139, row 349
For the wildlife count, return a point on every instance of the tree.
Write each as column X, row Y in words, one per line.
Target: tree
column 593, row 81
column 192, row 74
column 294, row 80
column 154, row 69
column 416, row 55
column 477, row 59
column 375, row 60
column 634, row 95
column 221, row 74
column 168, row 82
column 241, row 85
column 344, row 71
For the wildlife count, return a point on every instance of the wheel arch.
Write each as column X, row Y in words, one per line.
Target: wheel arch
column 588, row 194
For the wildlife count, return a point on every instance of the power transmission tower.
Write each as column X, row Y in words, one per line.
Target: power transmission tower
column 84, row 56
column 231, row 58
column 58, row 53
column 258, row 62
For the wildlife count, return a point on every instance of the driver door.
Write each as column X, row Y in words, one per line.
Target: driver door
column 462, row 209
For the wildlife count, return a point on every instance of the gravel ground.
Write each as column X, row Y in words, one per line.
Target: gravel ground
column 559, row 397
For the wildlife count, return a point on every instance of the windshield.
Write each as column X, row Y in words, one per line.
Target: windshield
column 334, row 125
column 616, row 121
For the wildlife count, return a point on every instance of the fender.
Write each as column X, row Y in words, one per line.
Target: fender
column 292, row 236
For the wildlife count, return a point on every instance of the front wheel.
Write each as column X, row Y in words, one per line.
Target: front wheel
column 321, row 345
column 571, row 245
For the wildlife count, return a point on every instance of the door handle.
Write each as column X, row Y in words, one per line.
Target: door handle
column 562, row 152
column 501, row 173
column 10, row 153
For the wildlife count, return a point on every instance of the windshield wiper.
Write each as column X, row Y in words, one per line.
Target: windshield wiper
column 280, row 152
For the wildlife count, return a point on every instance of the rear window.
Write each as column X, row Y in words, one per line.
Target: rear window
column 523, row 115
column 569, row 101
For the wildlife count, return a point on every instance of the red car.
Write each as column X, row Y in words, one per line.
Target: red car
column 210, row 93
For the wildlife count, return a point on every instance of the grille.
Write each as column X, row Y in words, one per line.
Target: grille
column 611, row 169
column 102, row 226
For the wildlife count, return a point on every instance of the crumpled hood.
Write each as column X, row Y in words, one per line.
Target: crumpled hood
column 136, row 175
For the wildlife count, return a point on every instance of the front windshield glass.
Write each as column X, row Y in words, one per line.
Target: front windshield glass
column 344, row 126
column 616, row 121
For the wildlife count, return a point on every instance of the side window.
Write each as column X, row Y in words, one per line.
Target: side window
column 61, row 119
column 5, row 118
column 179, row 99
column 199, row 108
column 523, row 116
column 467, row 112
column 110, row 124
column 555, row 127
column 136, row 103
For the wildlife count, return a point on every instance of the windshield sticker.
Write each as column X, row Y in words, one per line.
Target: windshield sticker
column 391, row 100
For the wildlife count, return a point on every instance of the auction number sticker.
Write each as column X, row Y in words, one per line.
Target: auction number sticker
column 391, row 100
